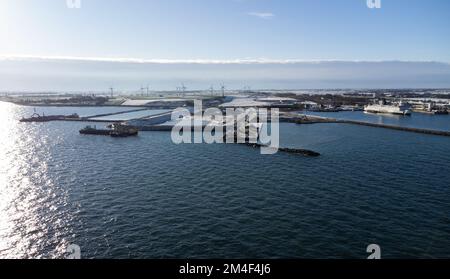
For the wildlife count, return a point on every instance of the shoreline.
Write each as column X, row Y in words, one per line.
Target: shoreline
column 288, row 117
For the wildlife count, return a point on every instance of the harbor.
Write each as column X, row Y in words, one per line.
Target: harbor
column 197, row 134
column 158, row 122
column 150, row 119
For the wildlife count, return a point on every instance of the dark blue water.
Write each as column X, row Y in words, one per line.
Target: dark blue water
column 145, row 197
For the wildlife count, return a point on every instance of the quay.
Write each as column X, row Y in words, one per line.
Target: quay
column 306, row 119
column 76, row 118
column 47, row 118
column 113, row 113
column 141, row 122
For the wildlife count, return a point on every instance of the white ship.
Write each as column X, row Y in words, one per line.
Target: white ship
column 400, row 108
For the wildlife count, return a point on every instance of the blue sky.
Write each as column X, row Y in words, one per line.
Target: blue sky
column 227, row 30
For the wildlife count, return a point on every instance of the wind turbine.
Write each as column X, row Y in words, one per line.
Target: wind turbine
column 223, row 90
column 112, row 91
column 148, row 90
column 247, row 89
column 183, row 89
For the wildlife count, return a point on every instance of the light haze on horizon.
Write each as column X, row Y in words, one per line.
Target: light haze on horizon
column 225, row 31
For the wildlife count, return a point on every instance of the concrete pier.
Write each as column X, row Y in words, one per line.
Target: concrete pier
column 113, row 113
column 151, row 120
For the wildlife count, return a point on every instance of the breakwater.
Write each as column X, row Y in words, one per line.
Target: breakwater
column 310, row 119
column 303, row 152
column 399, row 128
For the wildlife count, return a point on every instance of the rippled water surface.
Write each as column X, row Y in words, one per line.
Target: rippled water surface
column 145, row 197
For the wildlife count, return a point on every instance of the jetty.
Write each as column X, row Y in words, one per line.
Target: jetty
column 399, row 128
column 75, row 117
column 114, row 113
column 44, row 118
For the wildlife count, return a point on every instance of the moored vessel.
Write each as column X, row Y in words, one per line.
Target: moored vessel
column 440, row 111
column 400, row 108
column 117, row 130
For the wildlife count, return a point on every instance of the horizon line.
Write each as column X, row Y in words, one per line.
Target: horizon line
column 204, row 61
column 238, row 90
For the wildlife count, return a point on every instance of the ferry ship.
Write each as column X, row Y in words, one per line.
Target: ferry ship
column 398, row 109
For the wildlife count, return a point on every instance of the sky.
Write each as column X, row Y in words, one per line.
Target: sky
column 354, row 45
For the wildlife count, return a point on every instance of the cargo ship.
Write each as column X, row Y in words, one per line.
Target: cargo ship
column 398, row 109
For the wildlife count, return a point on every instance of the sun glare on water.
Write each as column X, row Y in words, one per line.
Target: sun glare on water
column 6, row 170
column 28, row 196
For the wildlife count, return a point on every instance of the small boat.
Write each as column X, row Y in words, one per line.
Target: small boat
column 440, row 111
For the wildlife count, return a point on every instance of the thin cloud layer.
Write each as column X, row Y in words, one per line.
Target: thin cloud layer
column 84, row 74
column 190, row 61
column 262, row 15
